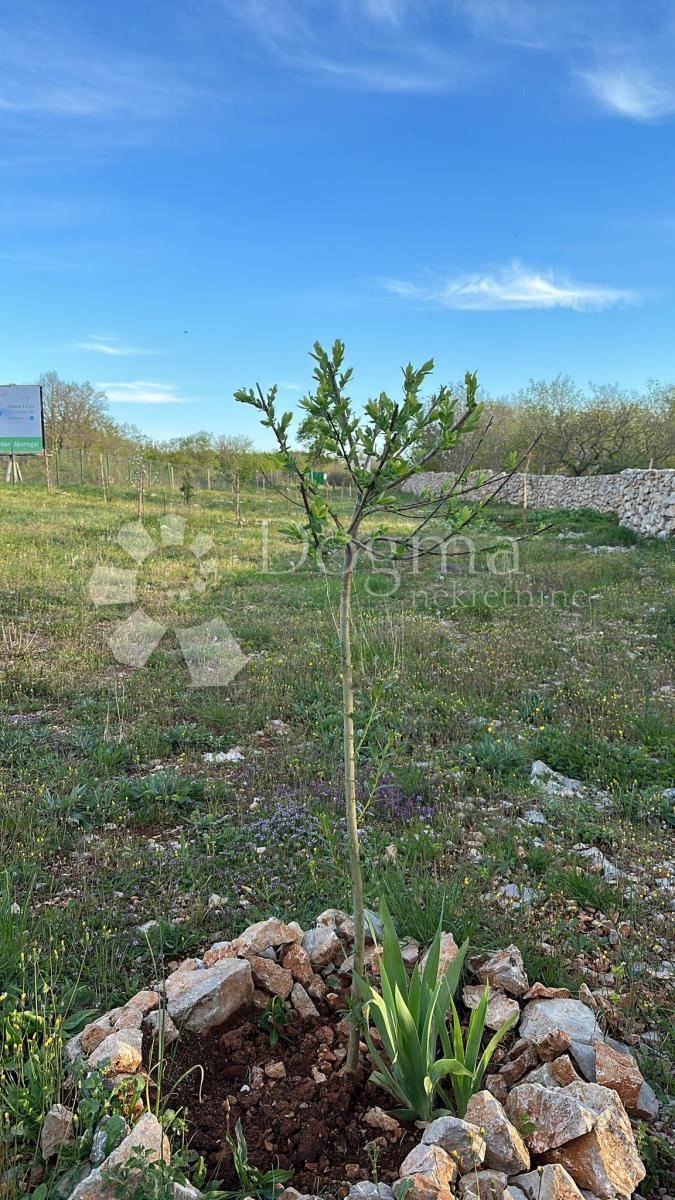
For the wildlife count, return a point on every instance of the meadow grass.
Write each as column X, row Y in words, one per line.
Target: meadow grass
column 110, row 818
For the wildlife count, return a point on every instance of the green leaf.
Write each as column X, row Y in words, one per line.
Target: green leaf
column 448, row 1066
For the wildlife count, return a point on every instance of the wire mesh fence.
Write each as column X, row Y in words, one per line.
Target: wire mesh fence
column 92, row 469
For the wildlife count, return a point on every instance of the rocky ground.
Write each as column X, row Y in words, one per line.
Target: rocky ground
column 557, row 1117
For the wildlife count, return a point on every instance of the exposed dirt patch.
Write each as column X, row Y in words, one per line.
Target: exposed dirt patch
column 310, row 1122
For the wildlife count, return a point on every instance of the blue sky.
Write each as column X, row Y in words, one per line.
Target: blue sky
column 191, row 193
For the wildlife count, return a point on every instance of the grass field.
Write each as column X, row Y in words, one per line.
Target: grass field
column 111, row 818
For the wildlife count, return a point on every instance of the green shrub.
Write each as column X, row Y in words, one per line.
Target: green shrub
column 409, row 1016
column 498, row 756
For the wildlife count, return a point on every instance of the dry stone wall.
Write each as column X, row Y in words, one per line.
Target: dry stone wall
column 643, row 501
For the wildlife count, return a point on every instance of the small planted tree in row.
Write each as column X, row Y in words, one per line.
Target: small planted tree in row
column 389, row 444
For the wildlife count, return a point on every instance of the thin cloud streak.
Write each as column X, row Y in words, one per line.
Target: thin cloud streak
column 631, row 92
column 513, row 287
column 388, row 63
column 110, row 346
column 141, row 391
column 409, row 55
column 45, row 74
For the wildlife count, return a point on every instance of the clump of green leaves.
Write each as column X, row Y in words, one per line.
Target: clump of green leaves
column 261, row 1185
column 409, row 1016
column 468, row 1080
column 498, row 756
column 274, row 1019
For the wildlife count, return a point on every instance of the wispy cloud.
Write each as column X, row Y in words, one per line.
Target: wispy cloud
column 621, row 54
column 512, row 287
column 526, row 23
column 110, row 346
column 359, row 44
column 631, row 92
column 389, row 11
column 141, row 391
column 51, row 72
column 444, row 46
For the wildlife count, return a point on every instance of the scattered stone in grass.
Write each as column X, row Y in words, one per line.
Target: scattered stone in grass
column 58, row 1130
column 534, row 816
column 599, row 863
column 562, row 787
column 279, row 727
column 147, row 1135
column 448, row 952
column 517, row 894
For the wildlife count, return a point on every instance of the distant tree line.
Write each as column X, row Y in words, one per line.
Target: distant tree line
column 76, row 417
column 601, row 430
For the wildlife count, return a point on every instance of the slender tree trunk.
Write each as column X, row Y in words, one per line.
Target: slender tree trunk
column 350, row 794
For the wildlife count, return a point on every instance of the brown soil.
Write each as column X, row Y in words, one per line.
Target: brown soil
column 311, row 1122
